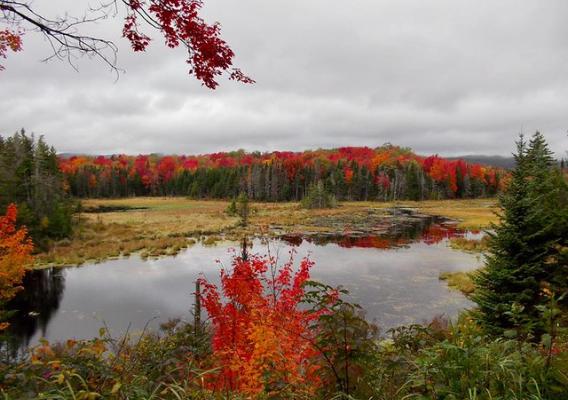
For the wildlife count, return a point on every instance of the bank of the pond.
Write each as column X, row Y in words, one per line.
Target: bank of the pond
column 154, row 227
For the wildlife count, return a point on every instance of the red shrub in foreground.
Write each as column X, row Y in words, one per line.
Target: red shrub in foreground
column 261, row 338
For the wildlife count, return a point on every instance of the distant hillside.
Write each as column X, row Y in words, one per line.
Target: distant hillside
column 492, row 161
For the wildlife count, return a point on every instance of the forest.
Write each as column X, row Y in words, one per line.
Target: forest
column 349, row 173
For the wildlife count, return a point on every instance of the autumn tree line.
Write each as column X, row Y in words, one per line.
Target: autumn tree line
column 349, row 173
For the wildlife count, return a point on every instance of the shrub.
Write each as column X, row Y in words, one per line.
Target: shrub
column 262, row 340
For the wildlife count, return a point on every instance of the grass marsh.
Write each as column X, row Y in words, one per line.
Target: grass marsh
column 157, row 226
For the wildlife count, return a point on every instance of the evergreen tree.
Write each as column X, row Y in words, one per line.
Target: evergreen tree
column 30, row 177
column 243, row 208
column 517, row 269
column 318, row 197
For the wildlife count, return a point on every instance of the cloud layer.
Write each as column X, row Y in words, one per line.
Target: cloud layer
column 444, row 76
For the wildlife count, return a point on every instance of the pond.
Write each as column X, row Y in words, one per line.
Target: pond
column 393, row 276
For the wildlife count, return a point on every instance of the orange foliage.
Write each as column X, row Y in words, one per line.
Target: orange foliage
column 262, row 339
column 15, row 256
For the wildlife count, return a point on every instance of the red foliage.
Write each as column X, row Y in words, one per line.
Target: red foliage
column 261, row 337
column 142, row 168
column 222, row 160
column 383, row 180
column 190, row 164
column 477, row 172
column 379, row 162
column 123, row 161
column 180, row 22
column 445, row 171
column 348, row 174
column 71, row 165
column 359, row 154
column 166, row 168
column 102, row 161
column 370, row 242
column 9, row 40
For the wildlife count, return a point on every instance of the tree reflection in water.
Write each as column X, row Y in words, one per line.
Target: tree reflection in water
column 430, row 230
column 34, row 307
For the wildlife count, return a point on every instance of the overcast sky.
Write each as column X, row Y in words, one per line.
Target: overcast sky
column 441, row 76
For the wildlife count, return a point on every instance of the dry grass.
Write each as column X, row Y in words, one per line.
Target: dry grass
column 291, row 217
column 471, row 214
column 470, row 245
column 459, row 281
column 164, row 226
column 165, row 216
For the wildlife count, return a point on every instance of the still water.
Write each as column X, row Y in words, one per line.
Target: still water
column 393, row 276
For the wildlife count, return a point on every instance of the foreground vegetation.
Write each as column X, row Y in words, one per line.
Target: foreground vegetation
column 259, row 344
column 349, row 361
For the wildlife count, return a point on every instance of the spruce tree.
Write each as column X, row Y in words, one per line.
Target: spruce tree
column 517, row 269
column 549, row 191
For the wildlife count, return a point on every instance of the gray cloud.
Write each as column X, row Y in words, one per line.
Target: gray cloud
column 443, row 76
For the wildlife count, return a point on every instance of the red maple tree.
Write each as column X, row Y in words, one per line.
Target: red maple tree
column 261, row 337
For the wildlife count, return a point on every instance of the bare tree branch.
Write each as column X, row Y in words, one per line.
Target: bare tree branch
column 62, row 34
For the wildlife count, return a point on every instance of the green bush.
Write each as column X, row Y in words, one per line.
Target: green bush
column 461, row 362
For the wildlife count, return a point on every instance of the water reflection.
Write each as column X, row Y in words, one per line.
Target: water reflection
column 393, row 276
column 430, row 230
column 35, row 306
